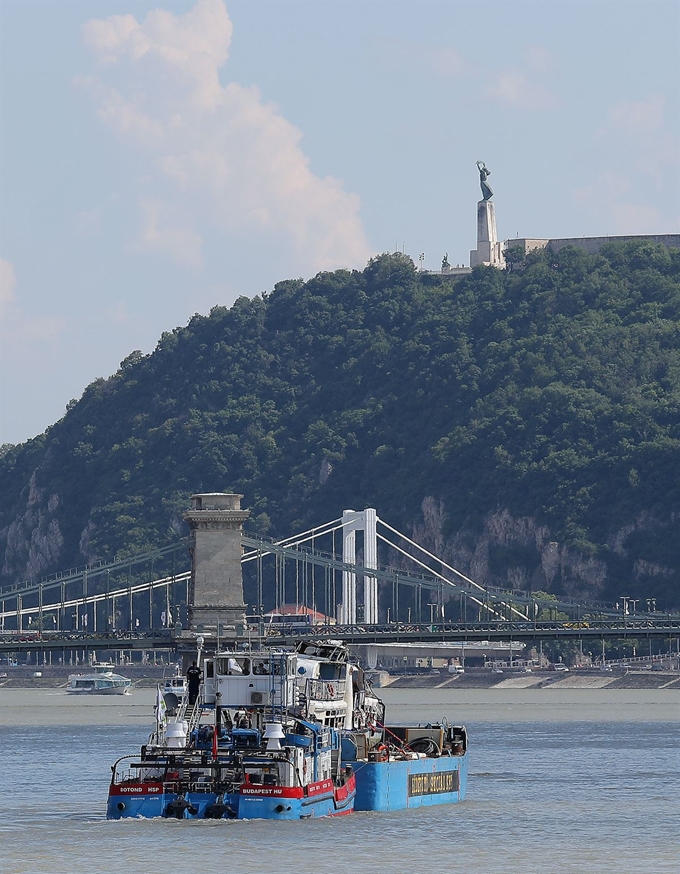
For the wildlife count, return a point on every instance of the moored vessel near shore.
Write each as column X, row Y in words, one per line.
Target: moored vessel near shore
column 177, row 684
column 101, row 680
column 278, row 734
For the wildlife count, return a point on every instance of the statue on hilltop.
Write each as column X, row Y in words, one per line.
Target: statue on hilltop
column 487, row 193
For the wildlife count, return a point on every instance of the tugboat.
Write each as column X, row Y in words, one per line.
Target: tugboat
column 100, row 681
column 250, row 747
column 278, row 734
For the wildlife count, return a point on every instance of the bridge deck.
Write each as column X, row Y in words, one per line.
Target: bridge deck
column 392, row 633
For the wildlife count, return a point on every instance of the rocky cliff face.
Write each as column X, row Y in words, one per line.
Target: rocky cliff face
column 34, row 539
column 514, row 552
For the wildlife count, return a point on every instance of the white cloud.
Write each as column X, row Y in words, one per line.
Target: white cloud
column 445, row 61
column 614, row 194
column 635, row 139
column 215, row 154
column 20, row 330
column 88, row 221
column 18, row 326
column 117, row 312
column 645, row 219
column 525, row 86
column 40, row 328
column 7, row 282
column 161, row 233
column 637, row 116
column 638, row 128
column 539, row 58
column 520, row 90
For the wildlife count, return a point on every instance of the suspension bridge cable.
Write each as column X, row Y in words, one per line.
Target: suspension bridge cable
column 443, row 564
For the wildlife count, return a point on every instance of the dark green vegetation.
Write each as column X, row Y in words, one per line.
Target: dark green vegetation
column 538, row 407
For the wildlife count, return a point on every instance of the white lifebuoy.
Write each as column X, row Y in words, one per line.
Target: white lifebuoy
column 331, row 689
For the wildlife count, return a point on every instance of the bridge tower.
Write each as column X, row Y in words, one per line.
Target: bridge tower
column 216, row 587
column 353, row 521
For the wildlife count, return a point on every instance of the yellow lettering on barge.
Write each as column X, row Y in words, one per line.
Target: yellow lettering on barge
column 433, row 783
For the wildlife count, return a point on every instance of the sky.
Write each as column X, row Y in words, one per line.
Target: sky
column 161, row 158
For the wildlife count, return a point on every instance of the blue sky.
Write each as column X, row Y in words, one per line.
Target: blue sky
column 157, row 159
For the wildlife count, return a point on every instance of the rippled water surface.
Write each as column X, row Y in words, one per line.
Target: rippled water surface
column 560, row 781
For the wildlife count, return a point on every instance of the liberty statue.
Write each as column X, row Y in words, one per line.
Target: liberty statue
column 487, row 193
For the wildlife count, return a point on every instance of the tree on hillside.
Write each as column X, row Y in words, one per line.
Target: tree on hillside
column 533, row 406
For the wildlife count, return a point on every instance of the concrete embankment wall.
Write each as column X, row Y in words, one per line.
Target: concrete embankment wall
column 541, row 680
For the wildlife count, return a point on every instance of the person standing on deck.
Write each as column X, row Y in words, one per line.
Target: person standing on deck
column 193, row 682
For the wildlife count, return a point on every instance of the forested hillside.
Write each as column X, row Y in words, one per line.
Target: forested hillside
column 525, row 423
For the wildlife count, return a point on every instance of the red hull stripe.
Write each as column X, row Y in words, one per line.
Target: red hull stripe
column 314, row 790
column 345, row 791
column 324, row 787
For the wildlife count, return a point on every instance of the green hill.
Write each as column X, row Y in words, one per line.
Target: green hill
column 525, row 424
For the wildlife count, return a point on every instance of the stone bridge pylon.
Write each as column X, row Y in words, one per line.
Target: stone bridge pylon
column 216, row 588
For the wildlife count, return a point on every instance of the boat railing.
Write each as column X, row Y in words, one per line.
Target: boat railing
column 190, row 712
column 123, row 772
column 202, row 784
column 325, row 690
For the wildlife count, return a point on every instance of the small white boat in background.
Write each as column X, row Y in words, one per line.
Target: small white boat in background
column 100, row 681
column 176, row 684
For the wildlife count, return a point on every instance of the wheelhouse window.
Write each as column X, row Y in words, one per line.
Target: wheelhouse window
column 233, row 666
column 261, row 667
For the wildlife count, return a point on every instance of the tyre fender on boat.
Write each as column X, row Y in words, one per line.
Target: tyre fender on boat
column 218, row 809
column 178, row 807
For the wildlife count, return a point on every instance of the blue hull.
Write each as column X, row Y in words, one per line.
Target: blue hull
column 395, row 785
column 293, row 808
column 149, row 806
column 207, row 805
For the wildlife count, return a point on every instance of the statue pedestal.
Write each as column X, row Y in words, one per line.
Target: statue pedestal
column 488, row 249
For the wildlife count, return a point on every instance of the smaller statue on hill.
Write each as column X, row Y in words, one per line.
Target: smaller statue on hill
column 445, row 263
column 484, row 174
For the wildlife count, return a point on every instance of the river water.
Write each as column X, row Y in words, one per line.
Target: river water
column 560, row 781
